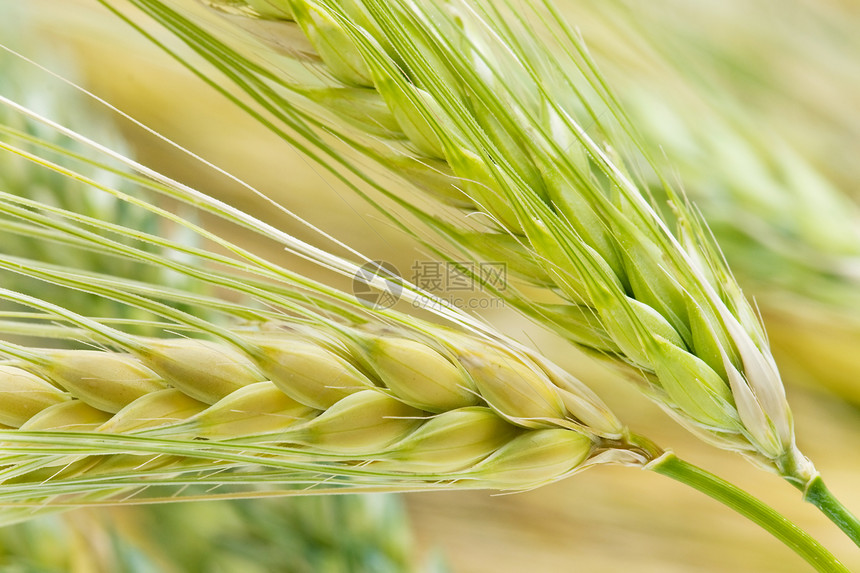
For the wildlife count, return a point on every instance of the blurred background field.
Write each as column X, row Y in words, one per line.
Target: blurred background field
column 791, row 67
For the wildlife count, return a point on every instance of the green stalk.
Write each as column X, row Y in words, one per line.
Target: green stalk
column 731, row 496
column 818, row 495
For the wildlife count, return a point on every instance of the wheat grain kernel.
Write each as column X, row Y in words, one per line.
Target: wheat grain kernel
column 105, row 380
column 23, row 395
column 510, row 386
column 71, row 415
column 308, row 373
column 452, row 441
column 206, row 371
column 159, row 408
column 535, row 458
column 260, row 408
column 362, row 423
column 419, row 375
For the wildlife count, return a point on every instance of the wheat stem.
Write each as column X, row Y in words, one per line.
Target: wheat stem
column 821, row 497
column 740, row 501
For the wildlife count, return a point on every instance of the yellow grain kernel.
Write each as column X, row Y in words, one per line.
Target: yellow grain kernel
column 363, row 423
column 310, row 374
column 206, row 371
column 419, row 375
column 161, row 408
column 451, row 442
column 536, row 458
column 259, row 408
column 70, row 415
column 23, row 395
column 108, row 381
column 517, row 390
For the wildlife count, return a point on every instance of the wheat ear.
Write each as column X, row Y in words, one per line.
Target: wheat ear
column 456, row 410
